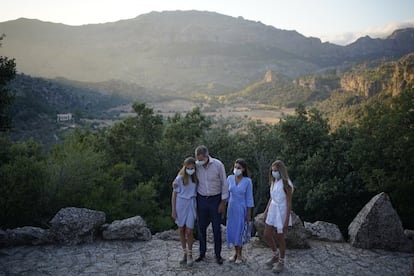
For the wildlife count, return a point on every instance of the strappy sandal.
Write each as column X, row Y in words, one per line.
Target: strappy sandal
column 190, row 258
column 279, row 266
column 184, row 259
column 274, row 259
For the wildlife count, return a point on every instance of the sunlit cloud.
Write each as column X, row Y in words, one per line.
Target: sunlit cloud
column 373, row 32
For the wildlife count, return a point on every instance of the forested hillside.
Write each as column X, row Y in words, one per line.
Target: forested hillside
column 128, row 169
column 37, row 102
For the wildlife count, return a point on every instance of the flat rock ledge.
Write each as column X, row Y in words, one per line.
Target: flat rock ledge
column 160, row 257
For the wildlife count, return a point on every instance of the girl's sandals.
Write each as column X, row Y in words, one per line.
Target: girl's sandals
column 184, row 259
column 190, row 258
column 279, row 266
column 274, row 259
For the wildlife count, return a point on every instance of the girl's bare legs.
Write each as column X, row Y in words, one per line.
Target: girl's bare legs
column 189, row 234
column 182, row 231
column 280, row 239
column 269, row 239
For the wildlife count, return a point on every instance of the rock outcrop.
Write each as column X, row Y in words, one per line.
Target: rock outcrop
column 134, row 228
column 325, row 231
column 26, row 235
column 76, row 225
column 296, row 236
column 378, row 225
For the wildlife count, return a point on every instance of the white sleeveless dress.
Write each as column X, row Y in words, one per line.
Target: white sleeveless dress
column 276, row 214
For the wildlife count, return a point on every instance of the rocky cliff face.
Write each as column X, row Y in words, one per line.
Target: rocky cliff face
column 403, row 76
column 389, row 77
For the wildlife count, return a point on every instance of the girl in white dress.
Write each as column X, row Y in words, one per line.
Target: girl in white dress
column 277, row 214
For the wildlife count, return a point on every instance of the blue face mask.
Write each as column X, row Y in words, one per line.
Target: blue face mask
column 276, row 175
column 200, row 162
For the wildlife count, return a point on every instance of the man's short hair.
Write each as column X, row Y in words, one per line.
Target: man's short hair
column 201, row 150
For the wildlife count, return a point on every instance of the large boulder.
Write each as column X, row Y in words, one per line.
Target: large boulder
column 378, row 225
column 76, row 225
column 409, row 234
column 210, row 234
column 296, row 237
column 324, row 231
column 169, row 235
column 4, row 238
column 26, row 235
column 134, row 228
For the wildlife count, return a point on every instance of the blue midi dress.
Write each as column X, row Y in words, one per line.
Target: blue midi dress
column 240, row 197
column 185, row 203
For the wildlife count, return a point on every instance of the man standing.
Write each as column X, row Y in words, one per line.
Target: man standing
column 212, row 193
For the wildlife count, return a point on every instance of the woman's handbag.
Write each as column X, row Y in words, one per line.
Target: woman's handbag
column 247, row 232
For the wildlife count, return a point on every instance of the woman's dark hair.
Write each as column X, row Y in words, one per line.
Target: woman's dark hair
column 243, row 163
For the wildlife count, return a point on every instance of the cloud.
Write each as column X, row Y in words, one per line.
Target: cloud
column 374, row 32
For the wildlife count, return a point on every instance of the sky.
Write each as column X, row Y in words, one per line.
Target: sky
column 339, row 22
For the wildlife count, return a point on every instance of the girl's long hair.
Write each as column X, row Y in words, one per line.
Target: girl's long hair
column 283, row 173
column 183, row 173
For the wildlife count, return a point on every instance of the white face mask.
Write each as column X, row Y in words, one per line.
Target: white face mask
column 276, row 175
column 237, row 172
column 189, row 171
column 200, row 162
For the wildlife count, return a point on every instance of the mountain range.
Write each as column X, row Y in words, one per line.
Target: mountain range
column 183, row 51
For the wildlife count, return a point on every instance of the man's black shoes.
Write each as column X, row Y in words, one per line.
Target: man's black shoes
column 219, row 259
column 200, row 258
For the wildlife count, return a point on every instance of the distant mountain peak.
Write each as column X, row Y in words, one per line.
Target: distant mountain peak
column 181, row 49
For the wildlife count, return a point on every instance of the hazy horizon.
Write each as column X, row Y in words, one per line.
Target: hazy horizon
column 337, row 22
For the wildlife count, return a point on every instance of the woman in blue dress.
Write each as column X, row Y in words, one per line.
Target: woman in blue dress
column 240, row 206
column 183, row 205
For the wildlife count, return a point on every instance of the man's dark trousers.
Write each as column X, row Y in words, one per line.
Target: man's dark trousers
column 207, row 211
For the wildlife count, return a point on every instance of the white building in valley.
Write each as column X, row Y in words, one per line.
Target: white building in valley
column 64, row 117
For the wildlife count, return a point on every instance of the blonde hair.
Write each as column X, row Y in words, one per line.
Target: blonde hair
column 183, row 173
column 283, row 173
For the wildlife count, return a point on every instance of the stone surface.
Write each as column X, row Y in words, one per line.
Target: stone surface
column 157, row 257
column 326, row 231
column 134, row 228
column 26, row 235
column 378, row 225
column 296, row 237
column 76, row 225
